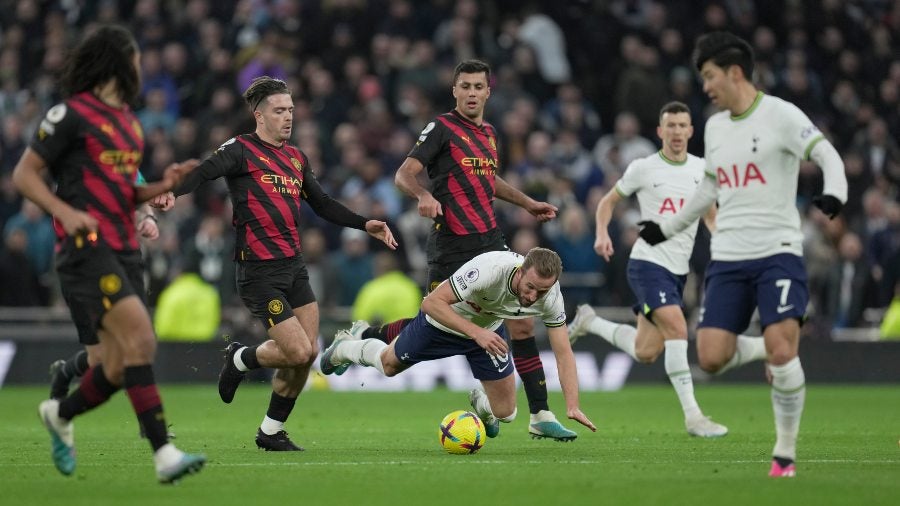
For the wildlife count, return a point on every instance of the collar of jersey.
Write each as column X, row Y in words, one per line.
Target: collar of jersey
column 469, row 123
column 274, row 146
column 669, row 160
column 753, row 106
column 509, row 280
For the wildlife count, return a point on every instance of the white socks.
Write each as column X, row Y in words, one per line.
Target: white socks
column 747, row 349
column 361, row 352
column 680, row 375
column 270, row 426
column 238, row 362
column 619, row 335
column 166, row 456
column 788, row 395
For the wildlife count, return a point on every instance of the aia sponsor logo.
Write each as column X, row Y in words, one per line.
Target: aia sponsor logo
column 737, row 177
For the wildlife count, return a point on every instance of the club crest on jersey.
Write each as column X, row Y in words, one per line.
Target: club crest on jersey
column 755, row 143
column 108, row 129
column 275, row 306
column 110, row 284
column 296, row 163
column 737, row 177
column 493, row 143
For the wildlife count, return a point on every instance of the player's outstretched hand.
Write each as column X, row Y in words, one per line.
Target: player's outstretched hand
column 543, row 211
column 163, row 202
column 578, row 416
column 429, row 207
column 381, row 231
column 829, row 205
column 175, row 172
column 148, row 227
column 651, row 232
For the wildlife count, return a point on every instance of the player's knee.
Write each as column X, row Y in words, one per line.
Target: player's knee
column 391, row 370
column 647, row 355
column 507, row 416
column 711, row 363
column 298, row 354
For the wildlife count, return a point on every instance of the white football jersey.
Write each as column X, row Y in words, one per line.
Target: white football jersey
column 484, row 287
column 755, row 159
column 663, row 186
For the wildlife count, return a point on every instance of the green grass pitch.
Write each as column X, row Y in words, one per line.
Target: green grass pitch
column 382, row 449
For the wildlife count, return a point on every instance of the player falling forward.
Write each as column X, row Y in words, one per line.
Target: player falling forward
column 462, row 316
column 662, row 182
column 753, row 149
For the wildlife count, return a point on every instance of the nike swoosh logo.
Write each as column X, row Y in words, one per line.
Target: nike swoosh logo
column 657, row 184
column 781, row 309
column 503, row 368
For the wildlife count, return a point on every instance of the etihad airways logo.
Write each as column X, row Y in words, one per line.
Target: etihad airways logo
column 480, row 166
column 282, row 184
column 121, row 161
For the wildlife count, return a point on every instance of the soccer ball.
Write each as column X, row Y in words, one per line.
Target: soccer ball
column 461, row 432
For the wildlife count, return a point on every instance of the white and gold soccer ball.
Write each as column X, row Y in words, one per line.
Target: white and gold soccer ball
column 461, row 432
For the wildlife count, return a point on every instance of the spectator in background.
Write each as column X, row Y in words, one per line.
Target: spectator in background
column 390, row 296
column 38, row 228
column 353, row 265
column 845, row 289
column 17, row 277
column 615, row 151
column 188, row 309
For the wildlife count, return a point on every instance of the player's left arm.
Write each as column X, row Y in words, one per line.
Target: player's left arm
column 699, row 204
column 834, row 191
column 568, row 374
column 709, row 219
column 543, row 211
column 327, row 207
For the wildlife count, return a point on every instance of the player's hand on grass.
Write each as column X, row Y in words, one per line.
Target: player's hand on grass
column 651, row 232
column 429, row 207
column 381, row 231
column 829, row 205
column 603, row 246
column 578, row 416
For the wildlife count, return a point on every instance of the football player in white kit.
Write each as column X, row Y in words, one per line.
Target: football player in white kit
column 663, row 182
column 461, row 317
column 753, row 149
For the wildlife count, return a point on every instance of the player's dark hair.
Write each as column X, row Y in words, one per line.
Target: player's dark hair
column 263, row 87
column 674, row 107
column 724, row 49
column 545, row 262
column 105, row 54
column 472, row 67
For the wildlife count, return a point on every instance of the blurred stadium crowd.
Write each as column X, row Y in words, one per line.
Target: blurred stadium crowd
column 576, row 90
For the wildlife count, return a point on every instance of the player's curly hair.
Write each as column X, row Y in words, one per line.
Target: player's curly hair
column 107, row 53
column 472, row 67
column 724, row 49
column 263, row 87
column 545, row 262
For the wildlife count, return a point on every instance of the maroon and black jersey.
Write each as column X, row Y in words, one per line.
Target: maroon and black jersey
column 266, row 183
column 94, row 152
column 461, row 160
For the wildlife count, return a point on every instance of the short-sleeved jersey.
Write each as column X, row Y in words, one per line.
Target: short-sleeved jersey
column 93, row 151
column 663, row 186
column 266, row 183
column 461, row 160
column 484, row 288
column 755, row 159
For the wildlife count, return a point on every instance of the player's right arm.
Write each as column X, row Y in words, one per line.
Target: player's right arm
column 28, row 177
column 438, row 305
column 407, row 180
column 603, row 244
